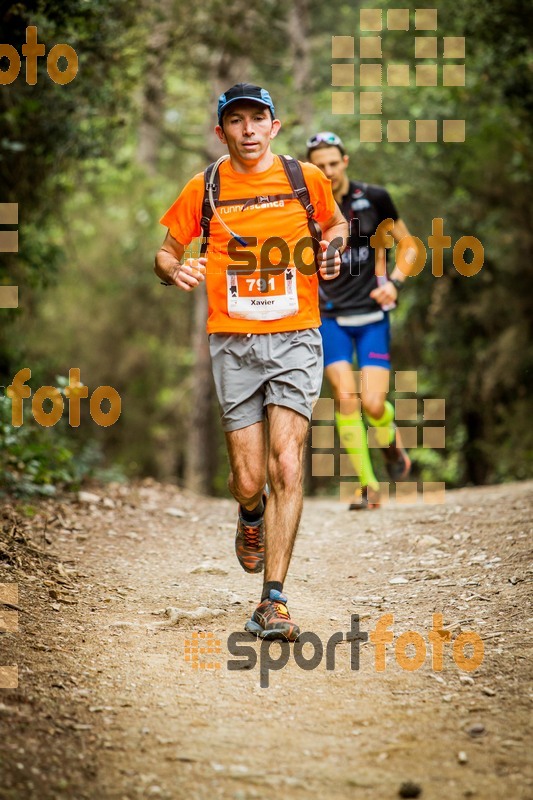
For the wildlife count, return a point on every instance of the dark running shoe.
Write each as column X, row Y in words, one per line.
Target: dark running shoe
column 271, row 619
column 397, row 461
column 250, row 541
column 365, row 498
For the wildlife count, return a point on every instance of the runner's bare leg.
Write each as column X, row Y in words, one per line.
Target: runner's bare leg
column 248, row 461
column 341, row 377
column 374, row 388
column 287, row 435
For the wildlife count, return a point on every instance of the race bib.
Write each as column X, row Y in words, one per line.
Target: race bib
column 268, row 297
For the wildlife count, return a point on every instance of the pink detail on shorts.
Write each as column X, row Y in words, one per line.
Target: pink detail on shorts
column 384, row 356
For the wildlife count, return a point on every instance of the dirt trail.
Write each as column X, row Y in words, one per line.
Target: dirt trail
column 108, row 706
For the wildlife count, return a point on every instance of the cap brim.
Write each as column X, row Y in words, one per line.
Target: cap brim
column 238, row 99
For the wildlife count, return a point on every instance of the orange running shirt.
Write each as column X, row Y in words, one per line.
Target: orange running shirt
column 255, row 300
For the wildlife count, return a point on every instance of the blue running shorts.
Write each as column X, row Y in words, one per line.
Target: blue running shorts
column 371, row 343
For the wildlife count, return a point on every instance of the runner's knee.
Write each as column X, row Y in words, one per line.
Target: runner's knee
column 375, row 406
column 285, row 469
column 349, row 403
column 245, row 485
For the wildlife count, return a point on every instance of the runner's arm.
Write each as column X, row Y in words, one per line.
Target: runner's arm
column 334, row 231
column 388, row 293
column 168, row 266
column 336, row 227
column 409, row 249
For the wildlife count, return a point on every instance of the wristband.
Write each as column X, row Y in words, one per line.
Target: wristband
column 165, row 283
column 397, row 284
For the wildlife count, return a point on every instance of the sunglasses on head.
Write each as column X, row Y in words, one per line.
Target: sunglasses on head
column 325, row 137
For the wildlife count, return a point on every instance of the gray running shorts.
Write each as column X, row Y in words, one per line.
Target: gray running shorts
column 253, row 370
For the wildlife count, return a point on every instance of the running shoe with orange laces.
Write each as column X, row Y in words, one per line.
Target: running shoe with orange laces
column 250, row 541
column 271, row 619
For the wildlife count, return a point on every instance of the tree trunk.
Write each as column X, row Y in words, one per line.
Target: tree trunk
column 202, row 461
column 299, row 36
column 158, row 45
column 477, row 466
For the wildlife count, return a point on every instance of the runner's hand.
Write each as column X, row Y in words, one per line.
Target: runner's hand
column 190, row 274
column 329, row 261
column 386, row 294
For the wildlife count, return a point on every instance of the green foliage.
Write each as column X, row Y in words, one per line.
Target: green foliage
column 38, row 461
column 50, row 134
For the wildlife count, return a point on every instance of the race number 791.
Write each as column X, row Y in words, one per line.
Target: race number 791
column 261, row 284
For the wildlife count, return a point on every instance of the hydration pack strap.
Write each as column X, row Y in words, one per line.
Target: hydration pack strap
column 207, row 211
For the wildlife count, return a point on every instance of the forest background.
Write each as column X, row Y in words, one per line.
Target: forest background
column 93, row 164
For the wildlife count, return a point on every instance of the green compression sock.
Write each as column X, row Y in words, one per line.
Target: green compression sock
column 386, row 423
column 352, row 435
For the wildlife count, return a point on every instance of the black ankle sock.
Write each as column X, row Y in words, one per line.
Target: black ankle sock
column 271, row 585
column 253, row 515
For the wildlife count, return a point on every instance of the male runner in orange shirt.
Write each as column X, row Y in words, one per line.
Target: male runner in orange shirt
column 265, row 346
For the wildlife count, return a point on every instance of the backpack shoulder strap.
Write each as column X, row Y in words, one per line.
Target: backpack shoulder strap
column 293, row 170
column 295, row 174
column 207, row 211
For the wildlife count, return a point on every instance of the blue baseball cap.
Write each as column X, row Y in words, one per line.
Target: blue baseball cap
column 244, row 91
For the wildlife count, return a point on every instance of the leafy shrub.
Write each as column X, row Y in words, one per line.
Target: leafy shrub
column 38, row 460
